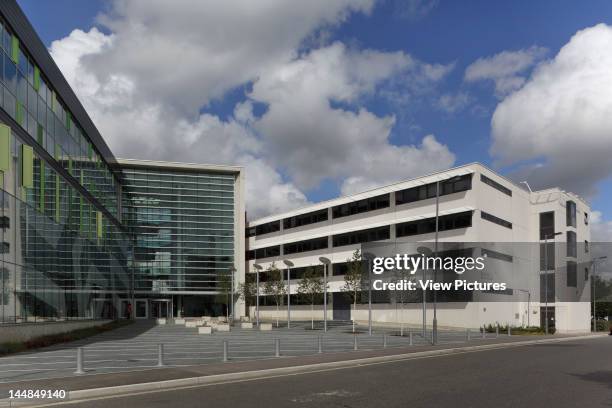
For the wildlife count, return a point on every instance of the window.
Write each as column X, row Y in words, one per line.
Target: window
column 5, row 248
column 547, row 259
column 428, row 225
column 359, row 237
column 571, row 244
column 572, row 280
column 361, row 206
column 495, row 185
column 263, row 252
column 495, row 220
column 586, row 218
column 586, row 274
column 5, row 222
column 453, row 185
column 267, row 228
column 547, row 225
column 496, row 255
column 305, row 219
column 305, row 246
column 570, row 213
column 251, row 232
column 586, row 247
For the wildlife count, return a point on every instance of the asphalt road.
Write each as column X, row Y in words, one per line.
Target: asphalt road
column 569, row 374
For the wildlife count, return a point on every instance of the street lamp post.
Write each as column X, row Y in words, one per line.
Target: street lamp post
column 593, row 275
column 546, row 236
column 258, row 268
column 289, row 265
column 369, row 258
column 325, row 261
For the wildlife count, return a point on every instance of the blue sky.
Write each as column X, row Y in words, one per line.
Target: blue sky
column 449, row 33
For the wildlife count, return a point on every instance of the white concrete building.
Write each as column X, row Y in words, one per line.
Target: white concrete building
column 480, row 211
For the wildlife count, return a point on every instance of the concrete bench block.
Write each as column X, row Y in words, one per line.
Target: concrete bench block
column 191, row 324
column 265, row 326
column 205, row 330
column 245, row 325
column 223, row 327
column 179, row 321
column 161, row 321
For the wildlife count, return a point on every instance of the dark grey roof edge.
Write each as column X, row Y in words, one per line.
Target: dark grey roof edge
column 24, row 30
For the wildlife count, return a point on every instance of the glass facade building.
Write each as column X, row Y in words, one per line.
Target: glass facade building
column 66, row 250
column 183, row 219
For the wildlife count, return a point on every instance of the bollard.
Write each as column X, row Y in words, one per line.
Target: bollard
column 225, row 351
column 468, row 335
column 509, row 331
column 160, row 355
column 410, row 337
column 79, row 369
column 320, row 345
column 384, row 341
column 277, row 347
column 355, row 342
column 497, row 331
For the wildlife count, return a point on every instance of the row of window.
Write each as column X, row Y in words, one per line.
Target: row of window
column 496, row 220
column 428, row 225
column 305, row 219
column 453, row 185
column 495, row 185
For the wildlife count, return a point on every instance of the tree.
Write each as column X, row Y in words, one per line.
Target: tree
column 275, row 287
column 247, row 291
column 352, row 279
column 224, row 286
column 311, row 287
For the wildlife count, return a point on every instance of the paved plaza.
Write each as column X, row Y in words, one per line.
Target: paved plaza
column 135, row 347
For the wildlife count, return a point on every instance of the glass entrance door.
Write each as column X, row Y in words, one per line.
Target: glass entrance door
column 160, row 308
column 141, row 309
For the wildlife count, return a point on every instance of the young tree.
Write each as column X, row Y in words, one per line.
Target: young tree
column 311, row 287
column 247, row 292
column 224, row 286
column 275, row 287
column 353, row 279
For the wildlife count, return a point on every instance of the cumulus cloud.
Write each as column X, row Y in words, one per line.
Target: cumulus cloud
column 147, row 83
column 505, row 69
column 558, row 124
column 453, row 102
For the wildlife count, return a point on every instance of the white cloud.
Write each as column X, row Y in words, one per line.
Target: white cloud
column 561, row 119
column 504, row 69
column 414, row 9
column 313, row 140
column 146, row 83
column 601, row 230
column 452, row 103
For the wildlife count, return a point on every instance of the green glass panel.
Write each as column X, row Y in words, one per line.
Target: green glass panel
column 99, row 224
column 68, row 121
column 41, row 198
column 57, row 198
column 27, row 166
column 5, row 147
column 15, row 49
column 36, row 78
column 19, row 113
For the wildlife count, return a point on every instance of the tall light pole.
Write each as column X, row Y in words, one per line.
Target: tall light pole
column 289, row 265
column 546, row 236
column 232, row 271
column 258, row 268
column 427, row 252
column 594, row 262
column 368, row 256
column 325, row 261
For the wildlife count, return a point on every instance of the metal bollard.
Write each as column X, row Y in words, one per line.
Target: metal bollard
column 468, row 335
column 225, row 351
column 497, row 331
column 160, row 355
column 410, row 337
column 79, row 369
column 509, row 331
column 320, row 345
column 277, row 347
column 355, row 342
column 384, row 341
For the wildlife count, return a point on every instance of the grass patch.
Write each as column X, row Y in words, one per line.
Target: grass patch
column 45, row 341
column 531, row 330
